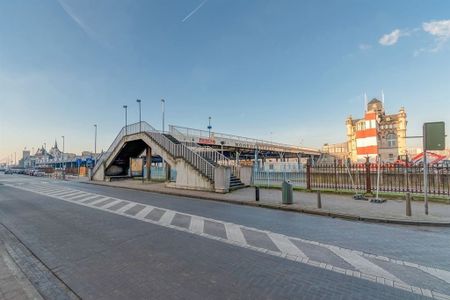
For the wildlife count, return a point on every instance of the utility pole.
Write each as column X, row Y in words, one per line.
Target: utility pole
column 209, row 127
column 425, row 171
column 140, row 120
column 64, row 163
column 95, row 139
column 163, row 108
column 126, row 119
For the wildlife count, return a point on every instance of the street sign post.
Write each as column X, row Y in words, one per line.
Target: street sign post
column 433, row 139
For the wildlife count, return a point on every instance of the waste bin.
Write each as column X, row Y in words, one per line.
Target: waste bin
column 288, row 192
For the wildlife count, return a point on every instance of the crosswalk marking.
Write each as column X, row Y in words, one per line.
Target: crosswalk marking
column 111, row 204
column 88, row 198
column 97, row 201
column 368, row 270
column 234, row 233
column 167, row 217
column 363, row 265
column 77, row 196
column 70, row 195
column 196, row 224
column 125, row 208
column 60, row 194
column 145, row 211
column 285, row 245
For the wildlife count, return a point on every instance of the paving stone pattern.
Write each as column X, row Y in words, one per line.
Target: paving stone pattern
column 408, row 276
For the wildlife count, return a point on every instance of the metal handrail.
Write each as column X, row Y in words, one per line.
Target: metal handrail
column 257, row 142
column 182, row 151
column 176, row 150
column 129, row 129
column 209, row 153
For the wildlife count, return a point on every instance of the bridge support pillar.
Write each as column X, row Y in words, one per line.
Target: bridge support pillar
column 148, row 162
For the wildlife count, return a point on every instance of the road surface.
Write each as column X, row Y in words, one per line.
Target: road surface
column 109, row 243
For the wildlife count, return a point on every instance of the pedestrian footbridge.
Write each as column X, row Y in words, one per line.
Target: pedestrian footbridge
column 196, row 167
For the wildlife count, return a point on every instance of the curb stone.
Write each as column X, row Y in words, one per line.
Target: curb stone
column 287, row 208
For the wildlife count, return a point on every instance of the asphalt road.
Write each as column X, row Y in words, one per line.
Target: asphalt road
column 111, row 243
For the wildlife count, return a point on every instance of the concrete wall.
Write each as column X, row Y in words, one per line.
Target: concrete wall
column 222, row 179
column 245, row 175
column 189, row 178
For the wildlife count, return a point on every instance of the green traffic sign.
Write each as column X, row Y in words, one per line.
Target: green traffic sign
column 434, row 135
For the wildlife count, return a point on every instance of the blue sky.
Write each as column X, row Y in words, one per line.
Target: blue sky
column 294, row 68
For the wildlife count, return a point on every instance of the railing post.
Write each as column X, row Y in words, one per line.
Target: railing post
column 408, row 204
column 335, row 175
column 319, row 200
column 368, row 181
column 308, row 174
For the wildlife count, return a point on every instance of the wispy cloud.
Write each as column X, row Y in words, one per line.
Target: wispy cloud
column 364, row 46
column 390, row 39
column 440, row 30
column 194, row 11
column 69, row 11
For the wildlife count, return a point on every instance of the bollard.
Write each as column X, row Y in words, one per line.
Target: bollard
column 319, row 200
column 408, row 204
column 256, row 193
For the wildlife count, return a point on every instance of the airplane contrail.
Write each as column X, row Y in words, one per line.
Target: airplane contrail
column 194, row 11
column 68, row 10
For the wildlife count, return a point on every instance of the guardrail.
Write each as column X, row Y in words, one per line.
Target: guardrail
column 192, row 132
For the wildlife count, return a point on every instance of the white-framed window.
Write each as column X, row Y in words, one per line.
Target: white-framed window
column 391, row 140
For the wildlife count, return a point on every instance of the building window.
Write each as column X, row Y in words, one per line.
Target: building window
column 391, row 140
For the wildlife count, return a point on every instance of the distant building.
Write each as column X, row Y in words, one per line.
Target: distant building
column 339, row 151
column 377, row 133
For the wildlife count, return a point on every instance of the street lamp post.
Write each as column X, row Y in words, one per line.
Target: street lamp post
column 140, row 125
column 95, row 139
column 209, row 127
column 163, row 108
column 126, row 119
column 64, row 163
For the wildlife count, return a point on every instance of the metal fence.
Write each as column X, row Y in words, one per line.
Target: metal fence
column 394, row 178
column 271, row 178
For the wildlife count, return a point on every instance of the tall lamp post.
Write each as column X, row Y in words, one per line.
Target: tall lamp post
column 126, row 119
column 163, row 109
column 140, row 125
column 209, row 127
column 95, row 139
column 64, row 163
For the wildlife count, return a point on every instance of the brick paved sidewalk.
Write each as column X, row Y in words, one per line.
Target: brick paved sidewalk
column 333, row 205
column 13, row 283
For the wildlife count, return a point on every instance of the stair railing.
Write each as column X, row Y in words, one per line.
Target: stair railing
column 126, row 130
column 207, row 152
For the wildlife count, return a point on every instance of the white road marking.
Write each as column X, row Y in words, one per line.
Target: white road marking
column 111, row 204
column 97, row 201
column 88, row 198
column 167, row 217
column 369, row 270
column 76, row 196
column 196, row 224
column 71, row 194
column 285, row 245
column 363, row 265
column 145, row 211
column 234, row 233
column 125, row 208
column 60, row 194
